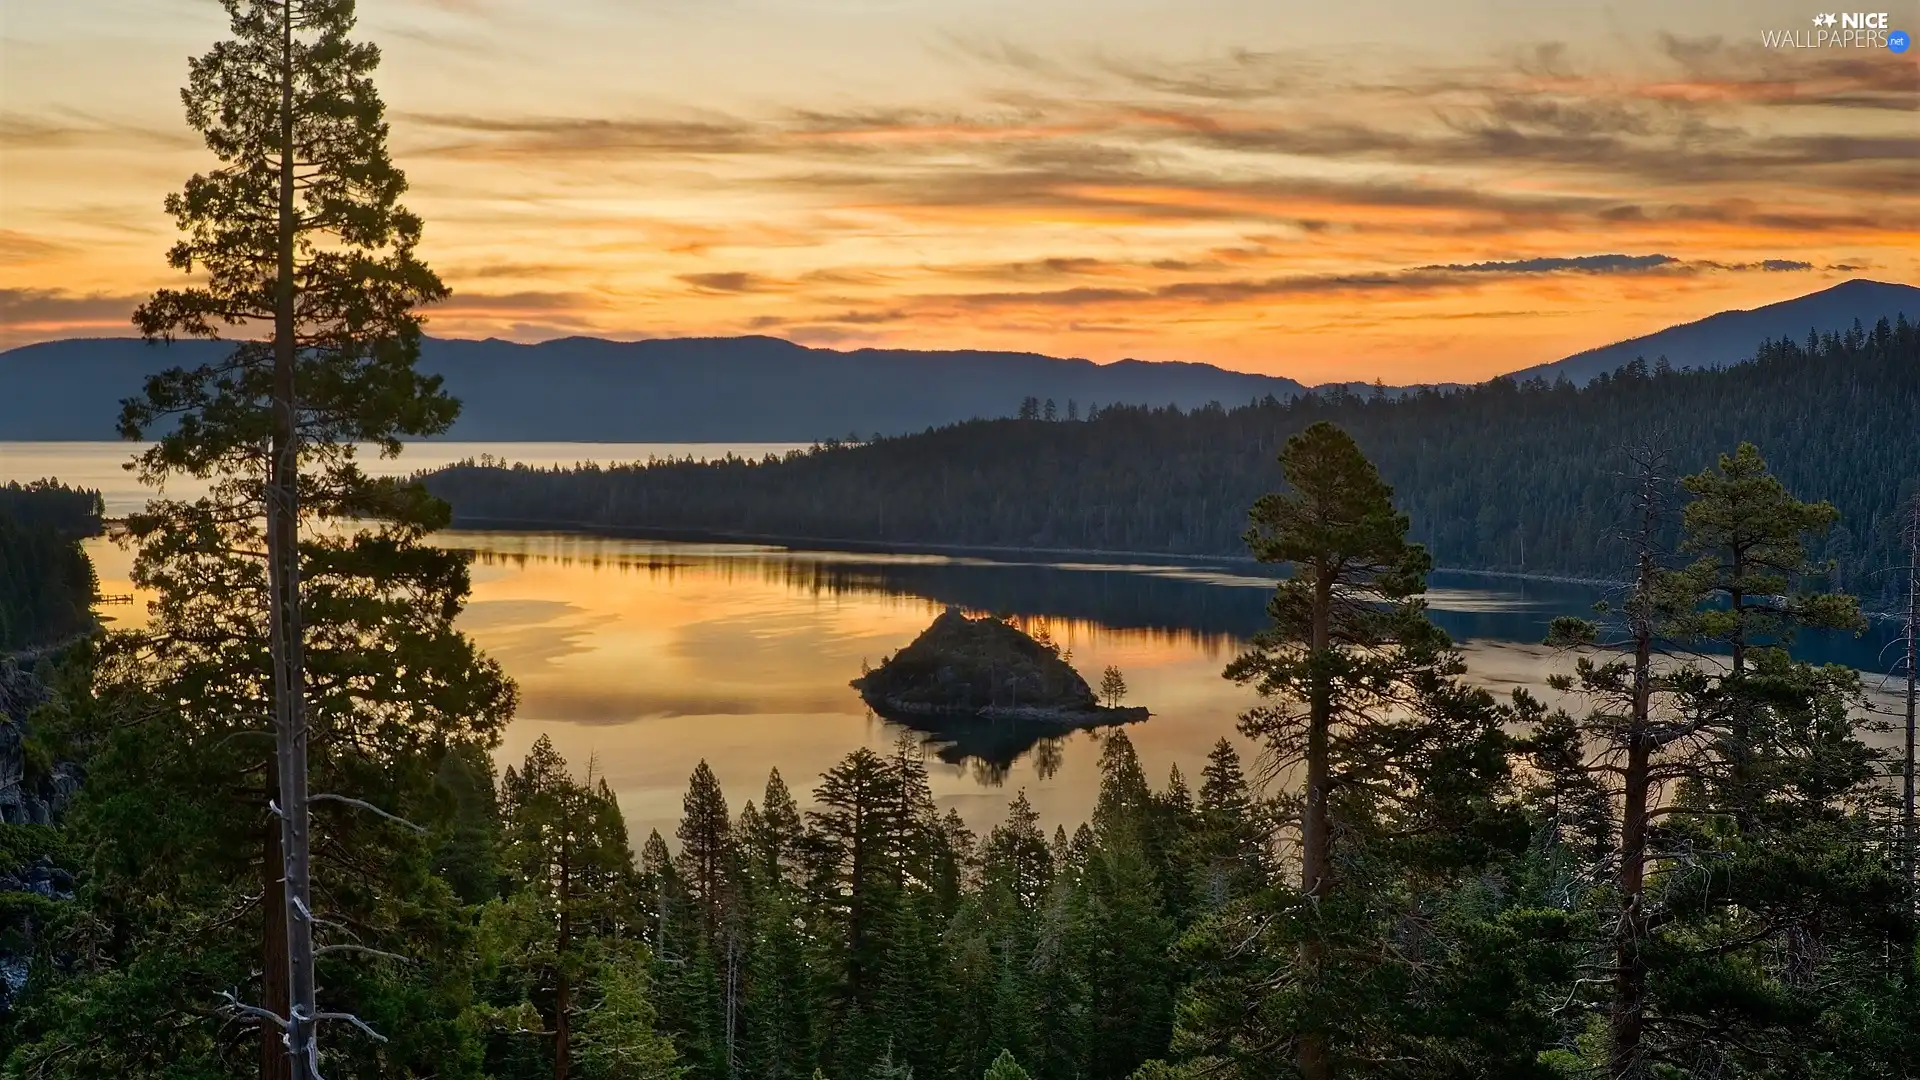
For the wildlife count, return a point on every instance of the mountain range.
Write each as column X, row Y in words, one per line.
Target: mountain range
column 766, row 389
column 1731, row 336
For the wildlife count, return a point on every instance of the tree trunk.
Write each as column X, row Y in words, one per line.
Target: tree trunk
column 1626, row 1059
column 1913, row 683
column 733, row 996
column 1627, row 1023
column 562, row 995
column 1316, row 827
column 283, row 588
column 1737, row 603
column 273, row 950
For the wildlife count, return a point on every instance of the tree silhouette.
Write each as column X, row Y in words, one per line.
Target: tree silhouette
column 297, row 235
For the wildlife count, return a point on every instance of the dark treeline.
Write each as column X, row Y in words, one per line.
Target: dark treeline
column 1497, row 476
column 74, row 512
column 46, row 582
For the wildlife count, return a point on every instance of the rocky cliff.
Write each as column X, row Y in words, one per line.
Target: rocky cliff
column 32, row 789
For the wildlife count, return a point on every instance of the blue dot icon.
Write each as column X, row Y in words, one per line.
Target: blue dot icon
column 1898, row 41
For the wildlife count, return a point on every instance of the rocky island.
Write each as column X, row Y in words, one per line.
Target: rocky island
column 988, row 669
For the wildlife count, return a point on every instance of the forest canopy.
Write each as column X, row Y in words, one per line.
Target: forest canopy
column 46, row 582
column 1503, row 476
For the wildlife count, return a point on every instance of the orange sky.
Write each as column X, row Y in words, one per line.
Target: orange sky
column 1380, row 188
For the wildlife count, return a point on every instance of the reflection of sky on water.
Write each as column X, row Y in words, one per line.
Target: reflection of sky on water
column 650, row 655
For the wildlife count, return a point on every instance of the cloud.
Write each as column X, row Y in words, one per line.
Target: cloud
column 31, row 314
column 552, row 136
column 58, row 306
column 728, row 281
column 1771, row 266
column 1255, row 136
column 1717, row 71
column 484, row 271
column 62, row 128
column 1586, row 264
column 866, row 318
column 23, row 247
column 1419, row 280
column 473, row 303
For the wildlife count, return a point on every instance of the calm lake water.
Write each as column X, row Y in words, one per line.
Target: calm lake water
column 647, row 656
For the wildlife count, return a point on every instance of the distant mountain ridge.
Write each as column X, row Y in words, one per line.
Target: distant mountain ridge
column 665, row 390
column 764, row 389
column 1730, row 337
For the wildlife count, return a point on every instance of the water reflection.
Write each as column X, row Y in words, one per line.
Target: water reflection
column 649, row 656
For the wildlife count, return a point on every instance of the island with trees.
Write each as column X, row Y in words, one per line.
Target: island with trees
column 989, row 669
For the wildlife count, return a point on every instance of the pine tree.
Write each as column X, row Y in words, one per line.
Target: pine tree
column 1017, row 857
column 618, row 1036
column 1062, row 1023
column 1125, row 940
column 910, row 1009
column 1743, row 795
column 1005, row 1067
column 1125, row 801
column 851, row 835
column 1347, row 632
column 566, row 846
column 777, row 843
column 1751, row 535
column 1232, row 857
column 299, row 230
column 782, row 1002
column 706, row 846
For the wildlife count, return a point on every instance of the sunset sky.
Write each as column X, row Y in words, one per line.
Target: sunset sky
column 1412, row 191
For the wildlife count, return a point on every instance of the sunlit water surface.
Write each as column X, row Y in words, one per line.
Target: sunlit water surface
column 647, row 656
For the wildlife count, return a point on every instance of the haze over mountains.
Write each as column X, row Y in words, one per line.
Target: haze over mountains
column 767, row 389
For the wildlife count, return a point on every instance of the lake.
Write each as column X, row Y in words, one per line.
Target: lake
column 646, row 656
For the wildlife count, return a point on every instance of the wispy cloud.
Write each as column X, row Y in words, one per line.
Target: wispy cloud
column 34, row 314
column 728, row 281
column 1586, row 264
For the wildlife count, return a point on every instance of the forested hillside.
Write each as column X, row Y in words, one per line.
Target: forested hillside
column 46, row 581
column 1501, row 476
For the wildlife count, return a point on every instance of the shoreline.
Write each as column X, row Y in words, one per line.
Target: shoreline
column 1051, row 716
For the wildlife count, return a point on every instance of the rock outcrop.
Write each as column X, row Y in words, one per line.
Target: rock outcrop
column 32, row 791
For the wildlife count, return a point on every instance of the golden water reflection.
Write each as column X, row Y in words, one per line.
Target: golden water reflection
column 649, row 656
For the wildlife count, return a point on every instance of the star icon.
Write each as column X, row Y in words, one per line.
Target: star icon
column 1830, row 19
